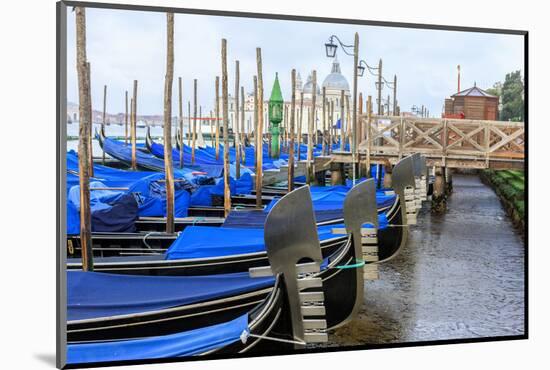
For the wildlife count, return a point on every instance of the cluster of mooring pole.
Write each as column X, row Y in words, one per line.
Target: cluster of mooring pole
column 352, row 131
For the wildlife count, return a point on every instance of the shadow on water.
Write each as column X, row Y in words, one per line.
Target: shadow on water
column 461, row 275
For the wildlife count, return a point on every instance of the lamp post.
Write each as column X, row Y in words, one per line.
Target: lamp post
column 275, row 116
column 331, row 48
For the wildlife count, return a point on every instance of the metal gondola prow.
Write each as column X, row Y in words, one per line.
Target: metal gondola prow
column 360, row 209
column 149, row 140
column 294, row 252
column 100, row 136
column 404, row 184
column 178, row 139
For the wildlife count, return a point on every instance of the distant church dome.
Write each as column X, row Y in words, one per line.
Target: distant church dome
column 336, row 80
column 308, row 86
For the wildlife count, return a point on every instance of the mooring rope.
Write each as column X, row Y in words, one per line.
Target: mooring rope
column 197, row 219
column 245, row 334
column 152, row 233
column 359, row 263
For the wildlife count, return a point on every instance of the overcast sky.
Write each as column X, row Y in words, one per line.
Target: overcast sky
column 126, row 45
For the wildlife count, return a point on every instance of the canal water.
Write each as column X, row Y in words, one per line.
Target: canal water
column 461, row 275
column 118, row 131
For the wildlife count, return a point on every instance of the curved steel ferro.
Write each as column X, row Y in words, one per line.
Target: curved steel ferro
column 290, row 236
column 403, row 177
column 149, row 141
column 359, row 209
column 101, row 136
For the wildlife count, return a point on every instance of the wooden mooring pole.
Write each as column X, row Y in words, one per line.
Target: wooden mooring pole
column 90, row 145
column 368, row 135
column 226, row 189
column 342, row 114
column 255, row 123
column 126, row 118
column 194, row 121
column 104, row 119
column 180, row 106
column 189, row 124
column 243, row 134
column 311, row 123
column 85, row 116
column 236, row 124
column 439, row 203
column 300, row 125
column 330, row 126
column 134, row 126
column 291, row 130
column 259, row 130
column 353, row 126
column 323, row 148
column 168, row 81
column 217, row 87
column 395, row 95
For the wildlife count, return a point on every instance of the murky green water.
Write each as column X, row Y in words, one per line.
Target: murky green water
column 460, row 276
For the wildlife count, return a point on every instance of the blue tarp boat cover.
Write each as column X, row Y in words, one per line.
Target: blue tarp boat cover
column 256, row 218
column 208, row 241
column 95, row 295
column 112, row 177
column 147, row 188
column 107, row 216
column 327, row 198
column 188, row 343
column 117, row 211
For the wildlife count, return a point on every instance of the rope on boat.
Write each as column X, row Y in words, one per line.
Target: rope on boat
column 359, row 263
column 152, row 233
column 197, row 219
column 145, row 239
column 246, row 334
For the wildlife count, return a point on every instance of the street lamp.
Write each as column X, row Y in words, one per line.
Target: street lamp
column 360, row 70
column 330, row 48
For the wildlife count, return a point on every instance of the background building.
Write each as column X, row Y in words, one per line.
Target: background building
column 472, row 103
column 333, row 83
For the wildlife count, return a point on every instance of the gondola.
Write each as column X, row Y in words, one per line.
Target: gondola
column 175, row 304
column 149, row 248
column 148, row 161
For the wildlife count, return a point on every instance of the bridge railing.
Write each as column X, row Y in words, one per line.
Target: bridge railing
column 443, row 138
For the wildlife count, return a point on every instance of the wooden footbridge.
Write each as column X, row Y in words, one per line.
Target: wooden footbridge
column 450, row 143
